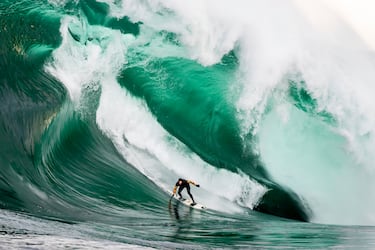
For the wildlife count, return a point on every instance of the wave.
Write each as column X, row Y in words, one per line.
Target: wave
column 105, row 104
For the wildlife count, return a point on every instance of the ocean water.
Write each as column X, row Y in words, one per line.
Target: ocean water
column 268, row 105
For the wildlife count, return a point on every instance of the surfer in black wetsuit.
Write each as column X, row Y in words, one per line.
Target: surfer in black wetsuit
column 182, row 183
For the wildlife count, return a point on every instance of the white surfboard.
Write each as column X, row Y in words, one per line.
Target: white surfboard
column 189, row 203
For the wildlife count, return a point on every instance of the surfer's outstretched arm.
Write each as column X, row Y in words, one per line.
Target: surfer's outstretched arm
column 192, row 182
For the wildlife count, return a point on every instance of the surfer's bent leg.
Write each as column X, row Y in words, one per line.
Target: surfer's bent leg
column 191, row 196
column 179, row 191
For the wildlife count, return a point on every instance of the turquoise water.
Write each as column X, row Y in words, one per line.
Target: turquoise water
column 105, row 104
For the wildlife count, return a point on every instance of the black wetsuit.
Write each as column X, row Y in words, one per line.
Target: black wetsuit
column 184, row 184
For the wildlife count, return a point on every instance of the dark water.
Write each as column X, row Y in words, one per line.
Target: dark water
column 105, row 105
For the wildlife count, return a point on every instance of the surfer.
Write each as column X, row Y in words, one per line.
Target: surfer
column 182, row 183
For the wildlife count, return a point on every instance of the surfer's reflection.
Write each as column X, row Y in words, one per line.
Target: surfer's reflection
column 173, row 210
column 182, row 215
column 178, row 211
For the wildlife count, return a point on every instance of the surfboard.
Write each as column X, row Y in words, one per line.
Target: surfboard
column 189, row 203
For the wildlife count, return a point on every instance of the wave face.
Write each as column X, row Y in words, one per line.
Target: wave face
column 104, row 104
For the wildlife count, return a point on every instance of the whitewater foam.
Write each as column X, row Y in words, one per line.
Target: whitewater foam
column 99, row 53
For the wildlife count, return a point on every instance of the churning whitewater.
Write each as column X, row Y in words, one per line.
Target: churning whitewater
column 268, row 105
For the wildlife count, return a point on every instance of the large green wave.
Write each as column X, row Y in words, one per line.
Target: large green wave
column 55, row 161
